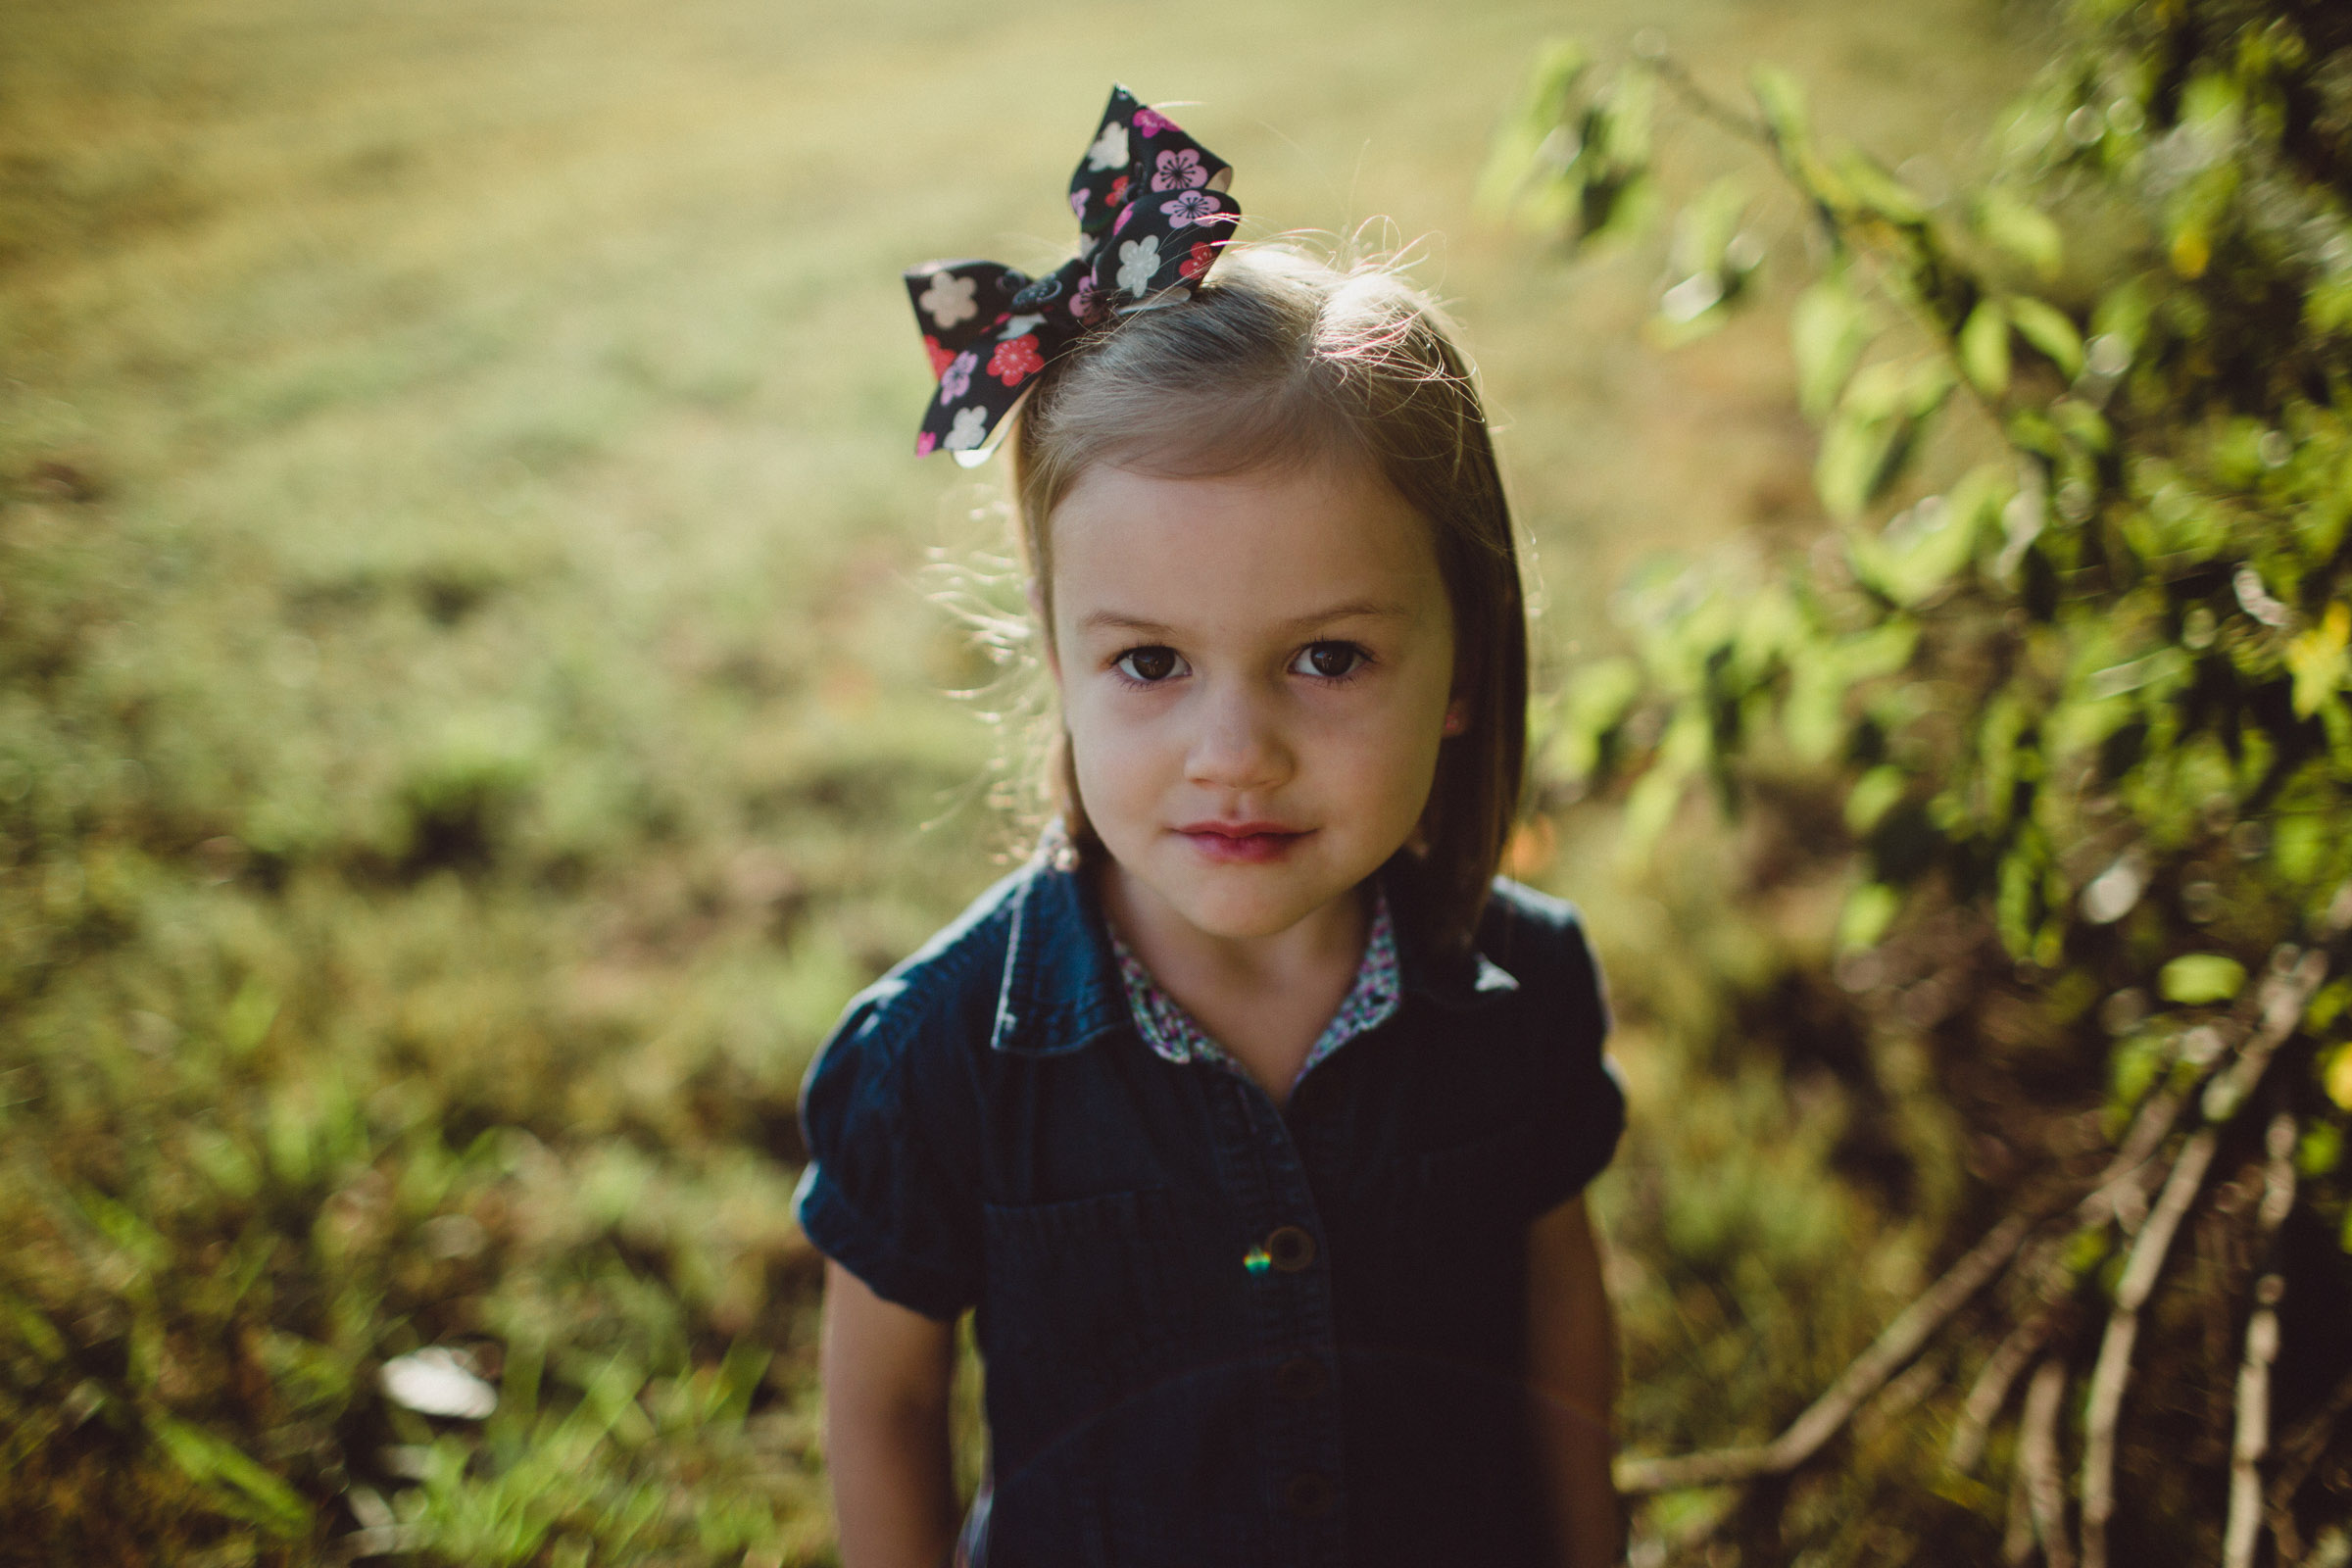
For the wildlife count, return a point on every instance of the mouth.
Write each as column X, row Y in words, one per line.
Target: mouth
column 1242, row 843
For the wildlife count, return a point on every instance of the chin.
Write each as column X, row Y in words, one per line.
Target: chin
column 1239, row 913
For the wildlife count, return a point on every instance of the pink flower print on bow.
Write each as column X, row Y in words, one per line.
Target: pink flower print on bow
column 1179, row 171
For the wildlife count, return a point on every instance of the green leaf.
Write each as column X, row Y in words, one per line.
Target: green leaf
column 1784, row 103
column 2124, row 313
column 32, row 1328
column 1869, row 911
column 1878, row 191
column 1519, row 152
column 1598, row 701
column 248, row 1017
column 1704, row 229
column 1814, row 717
column 1881, row 651
column 1873, row 796
column 1871, row 437
column 1829, row 328
column 2047, row 328
column 1651, row 804
column 1917, row 553
column 243, row 1485
column 1985, row 348
column 2024, row 231
column 2328, row 308
column 2200, row 979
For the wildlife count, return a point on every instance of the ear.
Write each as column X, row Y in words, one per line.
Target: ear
column 1036, row 593
column 1457, row 715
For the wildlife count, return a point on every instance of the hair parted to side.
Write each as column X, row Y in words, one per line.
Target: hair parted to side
column 1277, row 359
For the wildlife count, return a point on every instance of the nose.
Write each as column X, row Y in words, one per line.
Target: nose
column 1238, row 743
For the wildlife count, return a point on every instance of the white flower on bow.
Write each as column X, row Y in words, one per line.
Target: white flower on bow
column 956, row 380
column 1109, row 150
column 1191, row 207
column 1139, row 259
column 1179, row 171
column 969, row 430
column 949, row 299
column 1017, row 325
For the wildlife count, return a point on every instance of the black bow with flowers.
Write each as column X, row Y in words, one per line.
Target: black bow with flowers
column 1153, row 213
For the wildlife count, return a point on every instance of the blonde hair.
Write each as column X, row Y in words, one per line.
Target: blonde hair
column 1277, row 359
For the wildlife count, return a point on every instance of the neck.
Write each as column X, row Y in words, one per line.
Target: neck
column 1180, row 955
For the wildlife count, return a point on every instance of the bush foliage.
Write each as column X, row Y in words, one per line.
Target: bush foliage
column 2064, row 691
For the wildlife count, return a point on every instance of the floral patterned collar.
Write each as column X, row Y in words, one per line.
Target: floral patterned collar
column 1177, row 1035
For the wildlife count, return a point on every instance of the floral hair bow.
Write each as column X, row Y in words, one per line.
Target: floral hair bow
column 1152, row 213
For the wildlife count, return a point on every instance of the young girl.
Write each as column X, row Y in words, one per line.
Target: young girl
column 1253, row 1113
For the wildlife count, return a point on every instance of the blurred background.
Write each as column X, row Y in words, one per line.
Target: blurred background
column 472, row 709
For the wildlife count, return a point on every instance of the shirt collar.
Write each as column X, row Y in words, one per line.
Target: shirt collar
column 1061, row 990
column 1175, row 1034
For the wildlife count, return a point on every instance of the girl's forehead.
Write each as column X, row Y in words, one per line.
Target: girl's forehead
column 1265, row 539
column 1338, row 496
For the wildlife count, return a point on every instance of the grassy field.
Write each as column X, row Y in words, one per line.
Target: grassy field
column 471, row 710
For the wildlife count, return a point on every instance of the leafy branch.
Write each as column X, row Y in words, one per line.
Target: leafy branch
column 2092, row 695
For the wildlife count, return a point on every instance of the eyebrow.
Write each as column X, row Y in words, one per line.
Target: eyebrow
column 1353, row 610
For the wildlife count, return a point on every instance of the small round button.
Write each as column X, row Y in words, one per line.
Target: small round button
column 1309, row 1495
column 1289, row 1248
column 1302, row 1377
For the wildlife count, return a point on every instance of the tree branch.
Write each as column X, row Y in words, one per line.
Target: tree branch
column 1990, row 1391
column 2270, row 1015
column 2252, row 1439
column 2114, row 1369
column 1747, row 127
column 1896, row 1345
column 2037, row 1457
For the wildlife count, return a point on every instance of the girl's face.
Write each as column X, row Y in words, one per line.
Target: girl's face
column 1256, row 671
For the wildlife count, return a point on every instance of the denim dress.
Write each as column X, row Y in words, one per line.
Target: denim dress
column 1216, row 1332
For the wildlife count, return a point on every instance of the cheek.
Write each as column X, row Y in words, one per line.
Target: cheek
column 1109, row 755
column 1409, row 743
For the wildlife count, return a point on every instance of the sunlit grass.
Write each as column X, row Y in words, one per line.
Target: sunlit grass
column 472, row 710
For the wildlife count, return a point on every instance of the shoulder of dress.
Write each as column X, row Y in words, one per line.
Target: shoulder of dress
column 1537, row 939
column 1533, row 926
column 1518, row 902
column 948, row 990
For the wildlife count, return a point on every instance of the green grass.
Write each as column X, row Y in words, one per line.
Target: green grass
column 472, row 710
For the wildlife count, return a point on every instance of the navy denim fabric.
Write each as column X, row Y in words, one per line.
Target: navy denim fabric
column 989, row 1131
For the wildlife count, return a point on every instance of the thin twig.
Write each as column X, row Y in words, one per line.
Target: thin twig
column 2037, row 1457
column 2252, row 1439
column 2114, row 1369
column 2269, row 1014
column 1747, row 127
column 1896, row 1345
column 1990, row 1391
column 2277, row 1007
column 2017, row 1536
column 2285, row 992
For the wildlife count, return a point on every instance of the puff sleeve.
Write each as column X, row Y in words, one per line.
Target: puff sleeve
column 1577, row 1082
column 890, row 1192
column 1577, row 1099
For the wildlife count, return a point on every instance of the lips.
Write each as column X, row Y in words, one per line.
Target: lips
column 1242, row 843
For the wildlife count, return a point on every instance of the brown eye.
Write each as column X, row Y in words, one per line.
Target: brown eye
column 1331, row 661
column 1149, row 666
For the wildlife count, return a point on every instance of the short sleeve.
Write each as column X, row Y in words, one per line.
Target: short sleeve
column 1580, row 1099
column 889, row 1193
